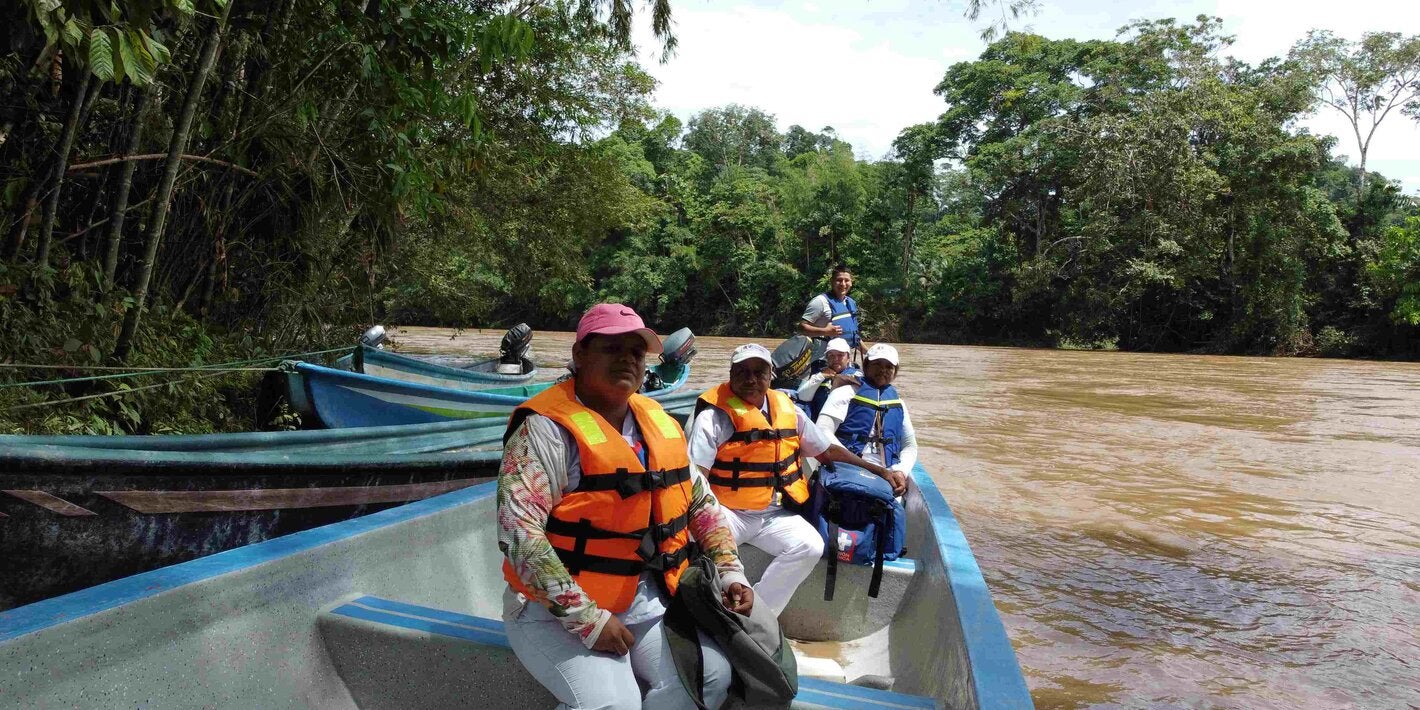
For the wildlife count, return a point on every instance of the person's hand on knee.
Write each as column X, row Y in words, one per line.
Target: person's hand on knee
column 615, row 638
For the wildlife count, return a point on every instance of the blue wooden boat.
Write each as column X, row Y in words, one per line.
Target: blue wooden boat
column 514, row 364
column 79, row 510
column 402, row 609
column 431, row 371
column 347, row 399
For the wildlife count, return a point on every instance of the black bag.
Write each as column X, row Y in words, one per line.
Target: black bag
column 765, row 672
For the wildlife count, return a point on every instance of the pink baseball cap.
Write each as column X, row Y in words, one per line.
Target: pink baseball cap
column 615, row 319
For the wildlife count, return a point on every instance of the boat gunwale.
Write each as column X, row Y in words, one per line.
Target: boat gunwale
column 996, row 677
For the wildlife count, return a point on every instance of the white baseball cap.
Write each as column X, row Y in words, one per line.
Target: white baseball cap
column 883, row 351
column 751, row 351
column 837, row 345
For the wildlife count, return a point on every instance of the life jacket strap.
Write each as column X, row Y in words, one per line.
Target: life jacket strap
column 734, row 483
column 577, row 560
column 737, row 466
column 762, row 435
column 629, row 484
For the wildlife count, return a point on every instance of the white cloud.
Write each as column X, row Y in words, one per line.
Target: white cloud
column 868, row 67
column 805, row 73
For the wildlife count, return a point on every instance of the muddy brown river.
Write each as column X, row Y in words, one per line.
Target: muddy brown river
column 1167, row 530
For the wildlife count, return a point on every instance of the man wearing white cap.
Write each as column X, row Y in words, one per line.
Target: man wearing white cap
column 870, row 418
column 839, row 372
column 749, row 441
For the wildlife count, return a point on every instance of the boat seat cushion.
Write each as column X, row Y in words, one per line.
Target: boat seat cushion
column 393, row 654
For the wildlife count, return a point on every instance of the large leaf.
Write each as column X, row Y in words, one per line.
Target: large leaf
column 115, row 40
column 73, row 33
column 136, row 64
column 101, row 55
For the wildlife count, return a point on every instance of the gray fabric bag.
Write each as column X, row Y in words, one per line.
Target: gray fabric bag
column 765, row 672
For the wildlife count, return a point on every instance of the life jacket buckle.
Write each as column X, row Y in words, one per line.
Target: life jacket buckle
column 631, row 484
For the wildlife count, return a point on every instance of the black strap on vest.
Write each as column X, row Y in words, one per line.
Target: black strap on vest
column 629, row 484
column 663, row 562
column 735, row 483
column 577, row 560
column 755, row 435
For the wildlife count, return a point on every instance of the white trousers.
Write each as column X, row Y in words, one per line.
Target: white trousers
column 795, row 545
column 591, row 680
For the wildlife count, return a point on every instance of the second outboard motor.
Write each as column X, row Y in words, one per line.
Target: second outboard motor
column 791, row 361
column 679, row 347
column 515, row 349
column 374, row 337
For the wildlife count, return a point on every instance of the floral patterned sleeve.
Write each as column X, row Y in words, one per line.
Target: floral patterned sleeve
column 525, row 498
column 707, row 525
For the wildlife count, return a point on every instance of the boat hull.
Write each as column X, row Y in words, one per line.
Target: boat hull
column 250, row 623
column 347, row 399
column 66, row 527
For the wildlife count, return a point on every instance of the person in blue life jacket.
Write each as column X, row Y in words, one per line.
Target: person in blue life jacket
column 814, row 390
column 833, row 314
column 870, row 419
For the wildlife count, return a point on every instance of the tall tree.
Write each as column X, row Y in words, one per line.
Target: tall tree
column 177, row 145
column 1364, row 81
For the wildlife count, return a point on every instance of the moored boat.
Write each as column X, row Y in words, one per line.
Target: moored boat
column 79, row 510
column 341, row 399
column 402, row 609
column 514, row 365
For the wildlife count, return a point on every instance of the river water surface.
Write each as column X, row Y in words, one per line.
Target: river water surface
column 1168, row 530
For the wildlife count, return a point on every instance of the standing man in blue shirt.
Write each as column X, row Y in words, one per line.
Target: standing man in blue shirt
column 833, row 314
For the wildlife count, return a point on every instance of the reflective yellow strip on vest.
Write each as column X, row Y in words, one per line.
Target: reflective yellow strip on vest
column 738, row 405
column 877, row 403
column 843, row 315
column 587, row 424
column 665, row 424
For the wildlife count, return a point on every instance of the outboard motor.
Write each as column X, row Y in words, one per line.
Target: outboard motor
column 515, row 349
column 374, row 337
column 679, row 347
column 791, row 361
column 677, row 350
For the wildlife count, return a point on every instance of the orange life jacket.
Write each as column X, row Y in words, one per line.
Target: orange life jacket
column 761, row 457
column 623, row 518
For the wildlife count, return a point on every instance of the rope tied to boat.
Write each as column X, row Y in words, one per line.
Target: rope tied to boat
column 126, row 372
column 130, row 390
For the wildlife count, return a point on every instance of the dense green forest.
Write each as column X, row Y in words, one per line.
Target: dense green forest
column 190, row 183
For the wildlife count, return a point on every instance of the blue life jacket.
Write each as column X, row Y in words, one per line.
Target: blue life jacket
column 845, row 316
column 856, row 430
column 860, row 520
column 815, row 405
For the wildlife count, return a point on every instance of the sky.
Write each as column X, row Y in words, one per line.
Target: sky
column 867, row 67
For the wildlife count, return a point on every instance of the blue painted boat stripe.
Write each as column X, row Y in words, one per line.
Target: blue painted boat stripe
column 424, row 612
column 433, row 627
column 86, row 602
column 995, row 671
column 861, row 696
column 903, row 563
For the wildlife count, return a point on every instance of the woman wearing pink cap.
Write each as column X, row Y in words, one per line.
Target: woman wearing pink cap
column 597, row 503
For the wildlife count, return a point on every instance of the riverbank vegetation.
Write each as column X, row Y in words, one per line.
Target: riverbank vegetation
column 187, row 184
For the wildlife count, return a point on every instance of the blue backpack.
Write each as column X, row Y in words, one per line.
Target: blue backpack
column 861, row 522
